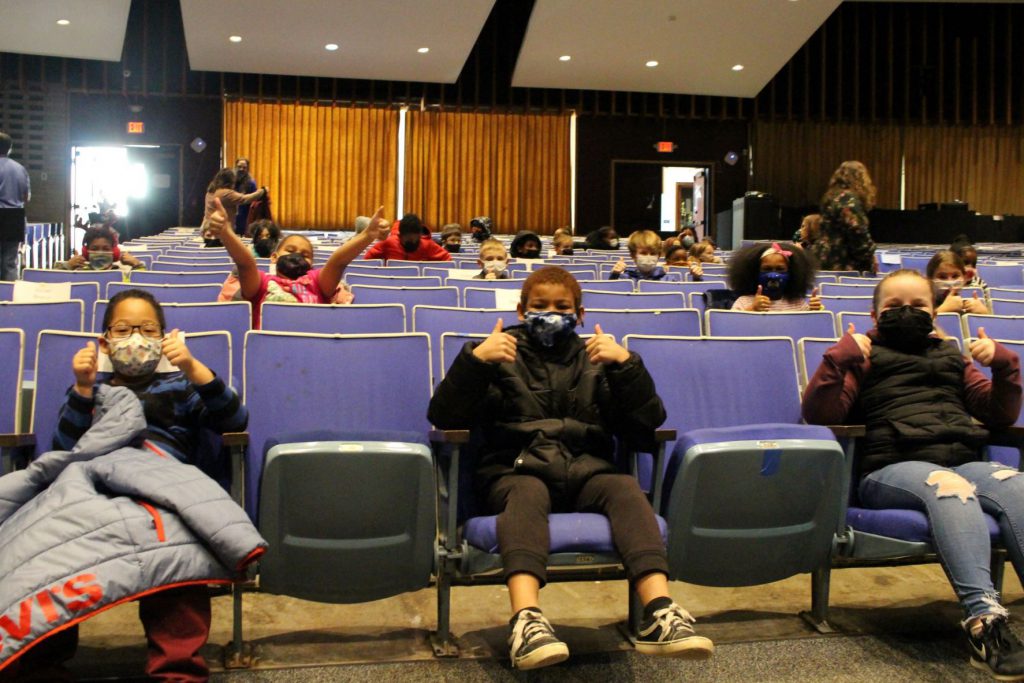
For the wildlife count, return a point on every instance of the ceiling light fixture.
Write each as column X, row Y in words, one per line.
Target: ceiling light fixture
column 235, row 39
column 737, row 67
column 564, row 58
column 423, row 50
column 331, row 47
column 63, row 22
column 652, row 63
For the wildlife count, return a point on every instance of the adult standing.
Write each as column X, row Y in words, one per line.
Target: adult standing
column 223, row 187
column 845, row 242
column 244, row 184
column 14, row 192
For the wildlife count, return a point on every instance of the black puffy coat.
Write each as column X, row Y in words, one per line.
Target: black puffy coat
column 914, row 408
column 552, row 413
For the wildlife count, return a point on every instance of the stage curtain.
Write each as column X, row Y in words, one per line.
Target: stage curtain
column 323, row 165
column 794, row 161
column 983, row 166
column 511, row 167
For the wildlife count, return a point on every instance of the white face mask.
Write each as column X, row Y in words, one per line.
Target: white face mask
column 495, row 266
column 950, row 284
column 646, row 262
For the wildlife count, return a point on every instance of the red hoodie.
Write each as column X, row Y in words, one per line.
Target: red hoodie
column 391, row 248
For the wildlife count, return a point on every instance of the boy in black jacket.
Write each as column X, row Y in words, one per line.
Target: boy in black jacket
column 547, row 405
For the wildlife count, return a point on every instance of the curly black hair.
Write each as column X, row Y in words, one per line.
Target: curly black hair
column 745, row 270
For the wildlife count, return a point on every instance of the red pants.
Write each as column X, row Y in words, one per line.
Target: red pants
column 177, row 624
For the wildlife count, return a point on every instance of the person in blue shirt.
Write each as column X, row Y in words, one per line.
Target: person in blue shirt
column 15, row 191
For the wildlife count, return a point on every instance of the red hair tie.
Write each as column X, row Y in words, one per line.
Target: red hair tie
column 776, row 249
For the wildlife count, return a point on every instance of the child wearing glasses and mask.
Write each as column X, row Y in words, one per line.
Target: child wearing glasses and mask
column 177, row 406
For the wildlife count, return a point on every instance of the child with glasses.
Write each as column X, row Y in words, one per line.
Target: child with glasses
column 178, row 406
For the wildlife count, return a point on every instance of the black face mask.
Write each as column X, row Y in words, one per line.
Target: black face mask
column 453, row 248
column 292, row 266
column 567, row 252
column 211, row 244
column 530, row 253
column 264, row 247
column 905, row 328
column 411, row 245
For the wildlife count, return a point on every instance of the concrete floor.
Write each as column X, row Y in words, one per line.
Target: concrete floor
column 286, row 632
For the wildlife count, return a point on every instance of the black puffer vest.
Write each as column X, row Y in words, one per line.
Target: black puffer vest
column 914, row 408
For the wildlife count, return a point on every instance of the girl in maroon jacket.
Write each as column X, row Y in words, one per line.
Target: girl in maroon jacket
column 919, row 400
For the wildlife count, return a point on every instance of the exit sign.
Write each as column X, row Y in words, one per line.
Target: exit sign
column 665, row 147
column 136, row 127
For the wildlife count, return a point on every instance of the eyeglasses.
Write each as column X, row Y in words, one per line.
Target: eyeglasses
column 124, row 330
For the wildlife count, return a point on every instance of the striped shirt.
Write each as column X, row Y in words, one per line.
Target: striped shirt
column 176, row 412
column 745, row 302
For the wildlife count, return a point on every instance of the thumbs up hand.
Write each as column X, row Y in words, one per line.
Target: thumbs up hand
column 499, row 347
column 761, row 302
column 983, row 349
column 84, row 365
column 975, row 305
column 814, row 302
column 601, row 348
column 863, row 341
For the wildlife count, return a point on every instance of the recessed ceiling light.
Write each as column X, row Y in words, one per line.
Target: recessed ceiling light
column 652, row 63
column 235, row 39
column 737, row 67
column 63, row 22
column 423, row 50
column 331, row 46
column 564, row 58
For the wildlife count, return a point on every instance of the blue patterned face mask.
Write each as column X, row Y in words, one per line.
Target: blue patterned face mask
column 773, row 284
column 548, row 328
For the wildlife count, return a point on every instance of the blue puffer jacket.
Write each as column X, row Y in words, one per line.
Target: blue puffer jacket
column 106, row 522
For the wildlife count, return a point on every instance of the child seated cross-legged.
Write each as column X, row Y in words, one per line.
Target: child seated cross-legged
column 773, row 277
column 918, row 399
column 295, row 280
column 548, row 404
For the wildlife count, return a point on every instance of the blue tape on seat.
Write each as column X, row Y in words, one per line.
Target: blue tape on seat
column 770, row 461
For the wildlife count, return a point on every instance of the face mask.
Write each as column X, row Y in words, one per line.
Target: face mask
column 614, row 244
column 100, row 260
column 547, row 329
column 773, row 284
column 495, row 266
column 453, row 248
column 905, row 328
column 567, row 252
column 687, row 241
column 646, row 262
column 136, row 356
column 530, row 253
column 411, row 245
column 292, row 266
column 210, row 244
column 949, row 284
column 264, row 247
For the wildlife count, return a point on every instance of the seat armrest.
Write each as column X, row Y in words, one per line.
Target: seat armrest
column 235, row 439
column 449, row 436
column 847, row 431
column 17, row 440
column 663, row 435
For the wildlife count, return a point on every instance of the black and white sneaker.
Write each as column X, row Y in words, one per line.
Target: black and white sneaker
column 668, row 632
column 532, row 642
column 997, row 651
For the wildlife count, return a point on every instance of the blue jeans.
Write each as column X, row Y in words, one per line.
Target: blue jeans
column 955, row 511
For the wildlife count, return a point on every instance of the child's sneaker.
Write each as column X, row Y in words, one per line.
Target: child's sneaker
column 669, row 632
column 997, row 651
column 532, row 643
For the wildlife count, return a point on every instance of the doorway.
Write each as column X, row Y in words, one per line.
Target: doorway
column 136, row 187
column 654, row 195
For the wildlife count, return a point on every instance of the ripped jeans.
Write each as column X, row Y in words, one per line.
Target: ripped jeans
column 954, row 508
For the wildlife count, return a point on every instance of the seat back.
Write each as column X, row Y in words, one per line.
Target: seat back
column 681, row 322
column 1007, row 307
column 407, row 296
column 211, row 276
column 390, row 270
column 843, row 304
column 99, row 276
column 1001, row 275
column 391, row 281
column 809, row 352
column 12, row 348
column 86, row 292
column 33, row 318
column 349, row 382
column 609, row 300
column 624, row 285
column 655, row 286
column 436, row 320
column 783, row 324
column 846, row 289
column 996, row 326
column 1006, row 293
column 505, row 299
column 334, row 318
column 170, row 294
